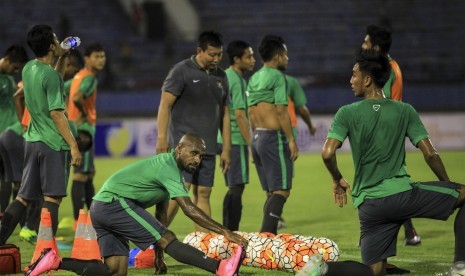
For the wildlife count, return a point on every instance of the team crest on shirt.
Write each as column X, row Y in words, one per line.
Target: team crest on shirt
column 376, row 107
column 219, row 84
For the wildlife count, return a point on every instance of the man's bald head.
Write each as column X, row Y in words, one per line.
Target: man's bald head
column 189, row 152
column 192, row 139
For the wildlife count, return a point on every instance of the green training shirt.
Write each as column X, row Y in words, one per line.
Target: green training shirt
column 7, row 107
column 146, row 182
column 237, row 87
column 43, row 92
column 267, row 85
column 295, row 91
column 376, row 130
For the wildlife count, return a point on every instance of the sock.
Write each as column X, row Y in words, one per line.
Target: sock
column 408, row 229
column 187, row 254
column 78, row 197
column 459, row 229
column 348, row 268
column 226, row 209
column 33, row 214
column 235, row 210
column 85, row 267
column 272, row 212
column 53, row 209
column 5, row 194
column 89, row 193
column 11, row 217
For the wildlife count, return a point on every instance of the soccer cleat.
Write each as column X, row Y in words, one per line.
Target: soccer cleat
column 230, row 267
column 28, row 235
column 47, row 261
column 315, row 266
column 413, row 239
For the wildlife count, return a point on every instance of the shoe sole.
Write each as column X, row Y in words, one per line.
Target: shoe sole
column 31, row 267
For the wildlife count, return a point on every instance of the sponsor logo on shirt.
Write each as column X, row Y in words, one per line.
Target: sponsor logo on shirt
column 219, row 84
column 376, row 107
column 195, row 81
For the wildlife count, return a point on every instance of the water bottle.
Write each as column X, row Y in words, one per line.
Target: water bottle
column 71, row 42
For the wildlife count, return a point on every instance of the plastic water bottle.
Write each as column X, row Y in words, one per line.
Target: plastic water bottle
column 71, row 42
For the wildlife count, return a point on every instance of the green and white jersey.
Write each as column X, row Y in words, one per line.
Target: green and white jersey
column 267, row 85
column 237, row 87
column 376, row 130
column 295, row 91
column 146, row 182
column 43, row 92
column 7, row 107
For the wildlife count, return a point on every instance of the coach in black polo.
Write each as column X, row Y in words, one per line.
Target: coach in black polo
column 195, row 99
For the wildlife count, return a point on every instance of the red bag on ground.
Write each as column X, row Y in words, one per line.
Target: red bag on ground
column 10, row 259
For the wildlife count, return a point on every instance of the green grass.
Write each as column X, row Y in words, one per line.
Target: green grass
column 309, row 211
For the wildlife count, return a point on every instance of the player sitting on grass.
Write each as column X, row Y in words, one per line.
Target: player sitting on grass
column 118, row 215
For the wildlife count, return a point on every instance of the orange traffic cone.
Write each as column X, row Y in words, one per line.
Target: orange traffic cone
column 90, row 249
column 76, row 252
column 145, row 259
column 45, row 238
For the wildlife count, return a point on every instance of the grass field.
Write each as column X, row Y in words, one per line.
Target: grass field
column 309, row 211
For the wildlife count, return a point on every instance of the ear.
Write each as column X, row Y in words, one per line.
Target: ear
column 199, row 50
column 367, row 81
column 377, row 48
column 236, row 60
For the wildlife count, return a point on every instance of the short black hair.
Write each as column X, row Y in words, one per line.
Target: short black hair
column 16, row 54
column 212, row 38
column 39, row 39
column 236, row 48
column 270, row 46
column 75, row 58
column 380, row 36
column 91, row 48
column 375, row 64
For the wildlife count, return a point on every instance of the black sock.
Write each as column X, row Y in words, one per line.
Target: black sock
column 78, row 197
column 235, row 210
column 33, row 214
column 187, row 254
column 226, row 209
column 89, row 193
column 53, row 209
column 85, row 267
column 459, row 229
column 348, row 268
column 408, row 229
column 272, row 212
column 11, row 217
column 5, row 194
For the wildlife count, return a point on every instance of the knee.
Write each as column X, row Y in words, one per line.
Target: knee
column 166, row 239
column 204, row 193
column 284, row 193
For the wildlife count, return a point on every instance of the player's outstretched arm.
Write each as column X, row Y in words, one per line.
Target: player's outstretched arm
column 433, row 159
column 199, row 217
column 225, row 158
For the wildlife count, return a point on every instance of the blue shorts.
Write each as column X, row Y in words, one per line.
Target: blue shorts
column 272, row 157
column 118, row 222
column 46, row 172
column 381, row 218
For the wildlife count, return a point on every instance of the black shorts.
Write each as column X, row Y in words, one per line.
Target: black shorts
column 46, row 172
column 87, row 164
column 238, row 173
column 12, row 153
column 205, row 173
column 272, row 157
column 381, row 218
column 118, row 222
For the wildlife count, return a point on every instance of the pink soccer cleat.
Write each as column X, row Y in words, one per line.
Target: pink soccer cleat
column 230, row 267
column 47, row 261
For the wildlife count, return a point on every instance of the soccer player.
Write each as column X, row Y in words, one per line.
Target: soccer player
column 383, row 191
column 297, row 102
column 241, row 60
column 195, row 99
column 82, row 112
column 273, row 146
column 11, row 63
column 119, row 216
column 49, row 141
